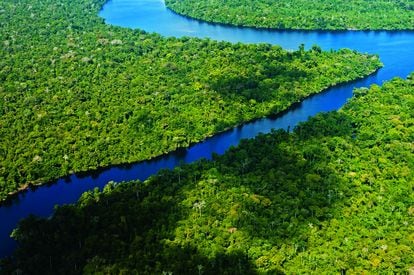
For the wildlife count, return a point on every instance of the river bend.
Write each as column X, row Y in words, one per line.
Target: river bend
column 396, row 51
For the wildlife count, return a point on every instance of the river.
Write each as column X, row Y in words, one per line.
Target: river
column 396, row 51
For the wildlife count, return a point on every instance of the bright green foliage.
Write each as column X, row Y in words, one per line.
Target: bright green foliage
column 77, row 94
column 336, row 196
column 303, row 14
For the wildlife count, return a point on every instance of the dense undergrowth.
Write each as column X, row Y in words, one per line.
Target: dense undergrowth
column 77, row 94
column 303, row 14
column 335, row 196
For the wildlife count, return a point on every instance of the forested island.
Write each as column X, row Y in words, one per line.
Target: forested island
column 302, row 14
column 77, row 94
column 335, row 196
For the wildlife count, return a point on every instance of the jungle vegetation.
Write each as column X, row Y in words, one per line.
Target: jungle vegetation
column 77, row 94
column 335, row 196
column 302, row 14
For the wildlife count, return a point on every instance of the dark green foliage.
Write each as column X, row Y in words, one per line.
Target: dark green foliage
column 335, row 196
column 77, row 94
column 303, row 14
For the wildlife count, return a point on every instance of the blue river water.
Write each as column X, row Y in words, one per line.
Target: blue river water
column 396, row 51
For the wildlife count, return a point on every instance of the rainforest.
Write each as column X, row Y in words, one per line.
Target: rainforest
column 78, row 94
column 333, row 194
column 336, row 195
column 303, row 14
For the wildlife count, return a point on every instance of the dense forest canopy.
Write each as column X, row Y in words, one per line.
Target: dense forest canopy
column 335, row 196
column 303, row 14
column 77, row 94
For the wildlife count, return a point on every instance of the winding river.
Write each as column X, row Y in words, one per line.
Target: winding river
column 396, row 50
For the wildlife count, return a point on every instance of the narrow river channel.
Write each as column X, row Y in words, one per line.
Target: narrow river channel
column 396, row 51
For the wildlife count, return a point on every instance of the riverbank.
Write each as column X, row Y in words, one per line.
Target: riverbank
column 34, row 185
